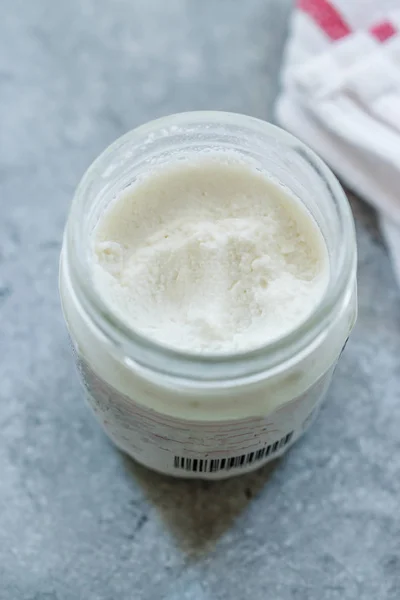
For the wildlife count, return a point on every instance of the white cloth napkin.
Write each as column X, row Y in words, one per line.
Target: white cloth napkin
column 341, row 95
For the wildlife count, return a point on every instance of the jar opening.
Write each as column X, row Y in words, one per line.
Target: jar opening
column 285, row 158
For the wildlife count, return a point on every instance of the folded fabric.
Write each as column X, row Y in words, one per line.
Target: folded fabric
column 341, row 95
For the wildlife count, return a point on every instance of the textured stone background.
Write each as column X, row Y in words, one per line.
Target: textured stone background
column 77, row 519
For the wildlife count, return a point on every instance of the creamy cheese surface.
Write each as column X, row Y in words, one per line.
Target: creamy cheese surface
column 209, row 255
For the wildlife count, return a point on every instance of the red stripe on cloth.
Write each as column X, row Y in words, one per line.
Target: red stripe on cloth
column 326, row 16
column 383, row 31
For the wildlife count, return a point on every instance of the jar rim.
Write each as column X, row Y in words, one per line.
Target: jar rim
column 211, row 366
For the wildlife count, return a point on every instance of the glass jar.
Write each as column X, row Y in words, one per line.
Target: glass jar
column 216, row 415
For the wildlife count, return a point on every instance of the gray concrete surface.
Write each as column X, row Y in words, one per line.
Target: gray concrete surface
column 77, row 519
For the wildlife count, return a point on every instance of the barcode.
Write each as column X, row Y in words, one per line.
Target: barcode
column 197, row 465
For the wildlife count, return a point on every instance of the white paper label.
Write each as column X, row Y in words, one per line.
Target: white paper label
column 204, row 449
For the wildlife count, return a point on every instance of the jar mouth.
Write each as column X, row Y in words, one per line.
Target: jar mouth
column 206, row 366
